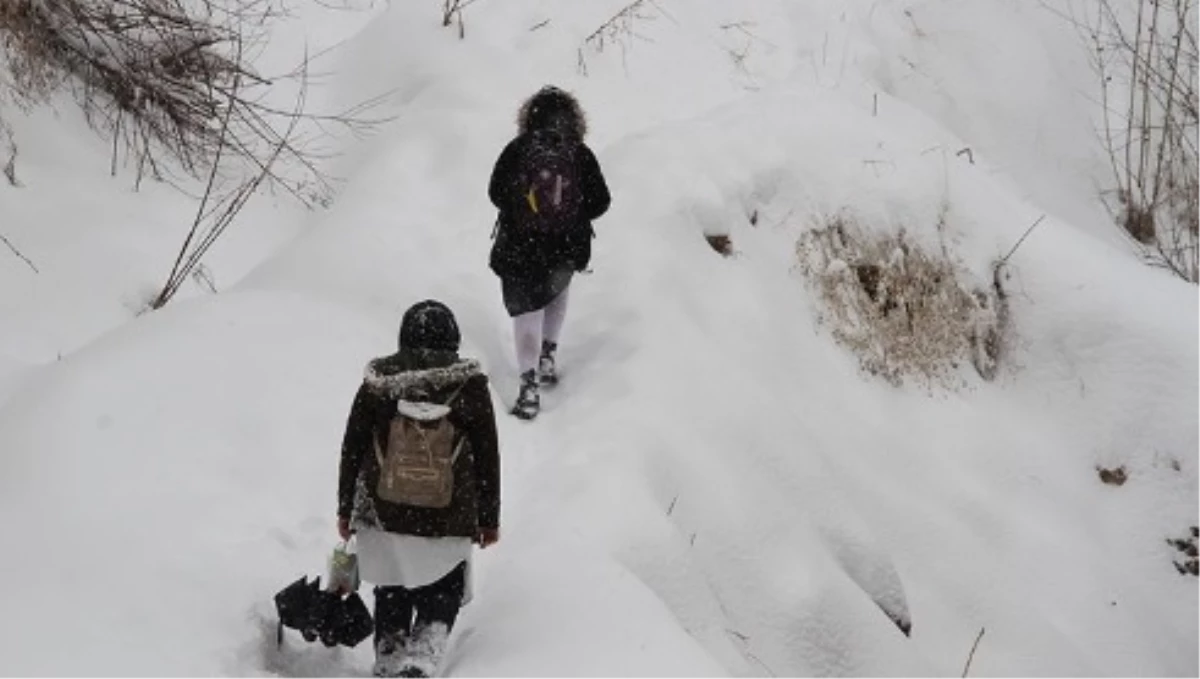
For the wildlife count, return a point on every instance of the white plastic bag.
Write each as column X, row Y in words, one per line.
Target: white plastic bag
column 343, row 569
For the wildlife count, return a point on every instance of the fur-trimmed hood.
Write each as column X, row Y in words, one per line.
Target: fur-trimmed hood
column 386, row 378
column 552, row 107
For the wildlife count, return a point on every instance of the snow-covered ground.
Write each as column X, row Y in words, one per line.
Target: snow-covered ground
column 716, row 488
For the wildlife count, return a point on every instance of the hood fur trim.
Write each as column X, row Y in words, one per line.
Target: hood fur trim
column 575, row 112
column 414, row 384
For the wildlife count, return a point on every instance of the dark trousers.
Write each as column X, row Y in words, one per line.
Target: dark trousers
column 402, row 613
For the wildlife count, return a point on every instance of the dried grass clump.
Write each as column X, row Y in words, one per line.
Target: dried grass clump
column 904, row 312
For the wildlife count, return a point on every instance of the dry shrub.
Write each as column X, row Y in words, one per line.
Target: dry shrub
column 171, row 79
column 150, row 73
column 1138, row 222
column 25, row 60
column 904, row 312
column 1181, row 246
column 171, row 84
column 1147, row 63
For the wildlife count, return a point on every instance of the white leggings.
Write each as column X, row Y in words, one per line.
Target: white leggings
column 533, row 328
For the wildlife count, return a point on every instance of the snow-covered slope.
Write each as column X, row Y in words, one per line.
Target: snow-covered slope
column 715, row 488
column 99, row 245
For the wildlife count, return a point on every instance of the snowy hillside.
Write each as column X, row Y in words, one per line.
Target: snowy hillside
column 716, row 488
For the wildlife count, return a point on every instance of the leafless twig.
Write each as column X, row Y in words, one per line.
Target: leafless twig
column 967, row 667
column 1005, row 258
column 211, row 223
column 741, row 53
column 620, row 29
column 452, row 12
column 18, row 253
column 10, row 165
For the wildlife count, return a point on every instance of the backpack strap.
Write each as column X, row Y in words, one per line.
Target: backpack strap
column 457, row 449
column 378, row 451
column 462, row 439
column 457, row 392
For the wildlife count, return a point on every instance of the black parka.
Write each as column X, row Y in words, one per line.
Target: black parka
column 535, row 267
column 529, row 255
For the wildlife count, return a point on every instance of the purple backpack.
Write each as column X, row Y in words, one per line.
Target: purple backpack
column 550, row 197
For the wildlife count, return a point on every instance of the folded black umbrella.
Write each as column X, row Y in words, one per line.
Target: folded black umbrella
column 353, row 621
column 294, row 604
column 318, row 614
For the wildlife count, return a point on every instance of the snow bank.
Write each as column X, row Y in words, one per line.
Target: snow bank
column 715, row 487
column 138, row 468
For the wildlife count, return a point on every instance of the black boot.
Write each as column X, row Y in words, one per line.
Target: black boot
column 547, row 371
column 393, row 624
column 529, row 402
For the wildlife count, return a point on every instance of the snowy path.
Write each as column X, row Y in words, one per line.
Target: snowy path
column 551, row 599
column 715, row 488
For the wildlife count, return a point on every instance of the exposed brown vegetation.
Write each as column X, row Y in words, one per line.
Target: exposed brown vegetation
column 1113, row 477
column 903, row 312
column 721, row 244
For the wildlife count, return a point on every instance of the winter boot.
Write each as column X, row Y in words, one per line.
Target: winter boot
column 425, row 651
column 547, row 372
column 529, row 402
column 390, row 655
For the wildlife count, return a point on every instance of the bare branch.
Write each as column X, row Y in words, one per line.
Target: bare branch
column 18, row 253
column 1005, row 258
column 452, row 11
column 967, row 667
column 226, row 210
column 10, row 166
column 1149, row 61
column 620, row 28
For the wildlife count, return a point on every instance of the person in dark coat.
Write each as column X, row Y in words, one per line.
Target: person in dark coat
column 536, row 255
column 419, row 557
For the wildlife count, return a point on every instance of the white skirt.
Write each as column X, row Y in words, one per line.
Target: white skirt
column 390, row 559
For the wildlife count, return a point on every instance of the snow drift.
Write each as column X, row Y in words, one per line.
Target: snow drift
column 715, row 488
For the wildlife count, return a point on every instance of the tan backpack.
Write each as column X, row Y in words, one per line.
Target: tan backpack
column 417, row 466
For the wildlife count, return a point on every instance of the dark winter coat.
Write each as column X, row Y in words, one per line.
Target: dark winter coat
column 433, row 377
column 534, row 267
column 531, row 255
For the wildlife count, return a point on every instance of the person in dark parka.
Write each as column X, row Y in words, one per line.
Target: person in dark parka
column 535, row 255
column 419, row 557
